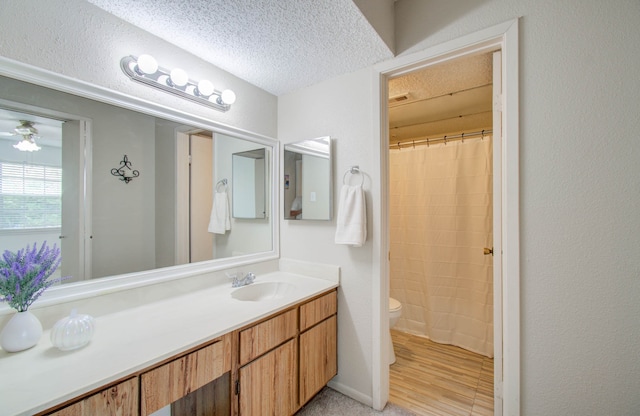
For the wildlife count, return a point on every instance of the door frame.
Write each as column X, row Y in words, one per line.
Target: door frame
column 83, row 178
column 503, row 37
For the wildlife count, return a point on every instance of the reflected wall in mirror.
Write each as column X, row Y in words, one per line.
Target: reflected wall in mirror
column 64, row 193
column 249, row 184
column 308, row 190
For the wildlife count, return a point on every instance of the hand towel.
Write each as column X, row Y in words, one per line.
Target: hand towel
column 351, row 227
column 220, row 220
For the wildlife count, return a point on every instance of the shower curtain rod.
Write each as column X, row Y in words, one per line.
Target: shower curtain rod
column 428, row 141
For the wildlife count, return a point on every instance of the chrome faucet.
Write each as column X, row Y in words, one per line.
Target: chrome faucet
column 238, row 280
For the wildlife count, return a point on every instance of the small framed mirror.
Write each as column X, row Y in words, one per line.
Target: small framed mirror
column 249, row 184
column 308, row 190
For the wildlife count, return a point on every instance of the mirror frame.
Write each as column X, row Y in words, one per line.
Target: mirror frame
column 44, row 78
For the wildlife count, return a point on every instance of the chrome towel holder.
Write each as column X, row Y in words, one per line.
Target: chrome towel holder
column 353, row 170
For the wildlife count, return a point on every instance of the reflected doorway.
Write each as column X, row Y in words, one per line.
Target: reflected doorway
column 41, row 186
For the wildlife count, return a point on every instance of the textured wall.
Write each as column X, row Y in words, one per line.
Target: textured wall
column 579, row 184
column 579, row 158
column 325, row 110
column 88, row 44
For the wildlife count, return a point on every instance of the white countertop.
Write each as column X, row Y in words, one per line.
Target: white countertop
column 134, row 339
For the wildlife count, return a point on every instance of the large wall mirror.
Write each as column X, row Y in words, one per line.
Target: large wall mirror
column 308, row 180
column 64, row 191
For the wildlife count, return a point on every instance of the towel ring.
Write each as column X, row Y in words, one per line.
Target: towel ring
column 222, row 182
column 352, row 170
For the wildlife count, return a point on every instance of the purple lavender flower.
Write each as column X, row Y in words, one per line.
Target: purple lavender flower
column 24, row 274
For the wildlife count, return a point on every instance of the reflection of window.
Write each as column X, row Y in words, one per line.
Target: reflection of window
column 30, row 196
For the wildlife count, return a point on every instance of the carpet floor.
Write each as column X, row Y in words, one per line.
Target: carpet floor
column 331, row 403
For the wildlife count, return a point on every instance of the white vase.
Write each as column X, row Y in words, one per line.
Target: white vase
column 23, row 331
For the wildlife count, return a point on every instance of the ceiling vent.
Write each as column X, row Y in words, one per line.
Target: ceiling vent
column 399, row 98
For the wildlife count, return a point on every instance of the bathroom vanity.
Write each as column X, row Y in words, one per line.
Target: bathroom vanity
column 264, row 348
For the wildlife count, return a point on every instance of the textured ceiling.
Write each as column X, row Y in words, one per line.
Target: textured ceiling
column 277, row 45
column 449, row 98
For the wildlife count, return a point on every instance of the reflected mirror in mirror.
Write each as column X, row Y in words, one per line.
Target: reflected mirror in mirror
column 249, row 173
column 308, row 180
column 64, row 192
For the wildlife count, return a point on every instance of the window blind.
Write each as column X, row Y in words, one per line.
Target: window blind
column 30, row 196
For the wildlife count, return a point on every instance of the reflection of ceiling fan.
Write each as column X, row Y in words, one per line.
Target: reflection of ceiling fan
column 28, row 133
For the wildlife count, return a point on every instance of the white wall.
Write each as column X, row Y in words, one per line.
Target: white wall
column 315, row 187
column 326, row 110
column 84, row 42
column 580, row 181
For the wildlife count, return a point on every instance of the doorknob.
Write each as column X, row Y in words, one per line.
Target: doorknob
column 488, row 251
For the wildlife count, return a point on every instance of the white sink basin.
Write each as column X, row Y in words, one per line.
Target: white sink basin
column 263, row 291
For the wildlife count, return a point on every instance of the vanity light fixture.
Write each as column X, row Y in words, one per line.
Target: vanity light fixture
column 145, row 69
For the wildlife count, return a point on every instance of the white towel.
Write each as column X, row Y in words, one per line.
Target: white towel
column 351, row 227
column 220, row 220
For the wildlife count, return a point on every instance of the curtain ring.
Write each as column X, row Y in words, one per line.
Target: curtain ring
column 445, row 140
column 482, row 138
column 399, row 148
column 462, row 137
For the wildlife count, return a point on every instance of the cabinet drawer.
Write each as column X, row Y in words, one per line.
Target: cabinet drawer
column 264, row 336
column 121, row 399
column 318, row 309
column 169, row 382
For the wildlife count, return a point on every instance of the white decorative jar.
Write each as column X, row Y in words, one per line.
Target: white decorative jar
column 22, row 332
column 74, row 331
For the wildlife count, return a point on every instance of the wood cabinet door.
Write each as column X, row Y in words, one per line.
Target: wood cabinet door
column 318, row 358
column 268, row 385
column 119, row 400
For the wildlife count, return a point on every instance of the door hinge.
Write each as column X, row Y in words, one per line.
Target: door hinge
column 237, row 387
column 189, row 159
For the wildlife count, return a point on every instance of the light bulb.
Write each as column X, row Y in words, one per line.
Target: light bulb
column 26, row 145
column 179, row 77
column 147, row 64
column 205, row 88
column 228, row 97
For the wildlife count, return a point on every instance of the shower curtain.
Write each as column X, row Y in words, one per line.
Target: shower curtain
column 440, row 221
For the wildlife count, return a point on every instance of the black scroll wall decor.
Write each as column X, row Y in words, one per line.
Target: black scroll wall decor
column 125, row 172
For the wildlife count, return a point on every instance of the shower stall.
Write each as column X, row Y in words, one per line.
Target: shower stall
column 440, row 224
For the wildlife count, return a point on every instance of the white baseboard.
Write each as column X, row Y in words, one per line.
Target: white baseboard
column 354, row 394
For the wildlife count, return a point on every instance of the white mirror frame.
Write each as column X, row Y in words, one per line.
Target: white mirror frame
column 64, row 293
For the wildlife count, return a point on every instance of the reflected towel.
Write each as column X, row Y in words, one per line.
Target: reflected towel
column 220, row 220
column 351, row 227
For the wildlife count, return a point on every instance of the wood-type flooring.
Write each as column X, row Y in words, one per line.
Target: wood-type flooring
column 435, row 379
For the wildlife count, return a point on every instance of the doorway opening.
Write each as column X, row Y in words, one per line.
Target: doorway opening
column 506, row 261
column 440, row 236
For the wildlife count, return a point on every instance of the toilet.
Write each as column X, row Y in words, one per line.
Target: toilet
column 395, row 310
